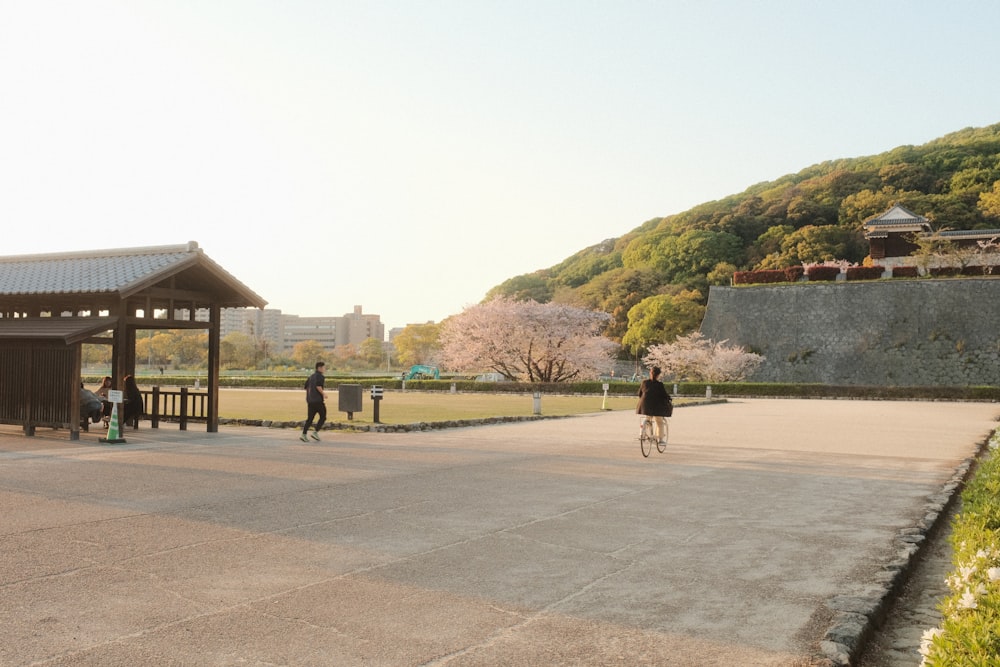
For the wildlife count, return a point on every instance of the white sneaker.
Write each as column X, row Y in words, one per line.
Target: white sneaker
column 303, row 438
column 314, row 435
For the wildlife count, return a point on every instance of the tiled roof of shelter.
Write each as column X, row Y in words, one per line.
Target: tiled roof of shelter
column 67, row 329
column 120, row 272
column 85, row 272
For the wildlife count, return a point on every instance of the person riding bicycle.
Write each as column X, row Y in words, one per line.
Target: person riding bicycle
column 655, row 402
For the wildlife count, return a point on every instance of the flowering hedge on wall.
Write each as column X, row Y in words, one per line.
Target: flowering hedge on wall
column 823, row 272
column 864, row 272
column 828, row 272
column 794, row 273
column 981, row 270
column 758, row 277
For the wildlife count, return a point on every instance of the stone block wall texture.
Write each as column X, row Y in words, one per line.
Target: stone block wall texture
column 927, row 332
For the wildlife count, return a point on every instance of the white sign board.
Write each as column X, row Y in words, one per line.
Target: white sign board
column 115, row 396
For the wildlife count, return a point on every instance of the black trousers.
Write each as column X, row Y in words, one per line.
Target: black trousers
column 315, row 408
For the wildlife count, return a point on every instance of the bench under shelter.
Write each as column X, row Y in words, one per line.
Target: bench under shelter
column 52, row 304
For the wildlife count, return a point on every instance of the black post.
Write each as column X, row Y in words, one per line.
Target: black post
column 184, row 408
column 376, row 399
column 155, row 408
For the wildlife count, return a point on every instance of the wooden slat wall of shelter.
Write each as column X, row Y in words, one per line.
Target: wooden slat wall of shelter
column 15, row 369
column 52, row 383
column 36, row 384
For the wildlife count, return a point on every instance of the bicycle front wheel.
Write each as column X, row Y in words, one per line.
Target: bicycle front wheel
column 645, row 441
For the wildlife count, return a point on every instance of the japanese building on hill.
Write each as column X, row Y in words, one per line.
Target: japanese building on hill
column 892, row 237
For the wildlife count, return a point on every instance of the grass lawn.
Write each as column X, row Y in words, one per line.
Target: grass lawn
column 407, row 407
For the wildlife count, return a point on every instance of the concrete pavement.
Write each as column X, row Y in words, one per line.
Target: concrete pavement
column 539, row 543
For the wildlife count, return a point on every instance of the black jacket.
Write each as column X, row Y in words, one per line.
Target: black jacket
column 654, row 399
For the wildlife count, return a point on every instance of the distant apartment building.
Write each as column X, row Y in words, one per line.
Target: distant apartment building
column 354, row 328
column 283, row 331
column 295, row 329
column 254, row 322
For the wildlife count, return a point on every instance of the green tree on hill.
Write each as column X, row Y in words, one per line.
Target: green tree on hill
column 661, row 319
column 809, row 216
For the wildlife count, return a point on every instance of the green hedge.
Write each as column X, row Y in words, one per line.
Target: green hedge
column 748, row 389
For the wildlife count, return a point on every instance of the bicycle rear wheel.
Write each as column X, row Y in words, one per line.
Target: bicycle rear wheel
column 661, row 446
column 645, row 440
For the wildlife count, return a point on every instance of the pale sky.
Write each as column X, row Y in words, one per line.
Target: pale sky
column 408, row 156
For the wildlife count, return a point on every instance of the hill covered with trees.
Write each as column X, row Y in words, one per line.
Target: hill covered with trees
column 653, row 281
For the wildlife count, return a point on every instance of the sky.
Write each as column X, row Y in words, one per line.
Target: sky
column 408, row 156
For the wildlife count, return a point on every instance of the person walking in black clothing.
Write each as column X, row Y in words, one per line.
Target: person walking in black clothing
column 316, row 400
column 655, row 402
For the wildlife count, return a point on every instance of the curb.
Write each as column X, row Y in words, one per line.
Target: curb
column 423, row 426
column 857, row 618
column 390, row 428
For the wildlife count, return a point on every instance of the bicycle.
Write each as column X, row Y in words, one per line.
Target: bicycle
column 647, row 437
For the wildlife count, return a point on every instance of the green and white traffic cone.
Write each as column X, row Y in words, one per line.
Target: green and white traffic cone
column 114, row 434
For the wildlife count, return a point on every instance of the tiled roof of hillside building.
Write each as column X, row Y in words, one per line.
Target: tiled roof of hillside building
column 897, row 219
column 971, row 234
column 895, row 215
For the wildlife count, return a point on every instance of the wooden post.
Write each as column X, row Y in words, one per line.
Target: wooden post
column 213, row 368
column 154, row 416
column 184, row 408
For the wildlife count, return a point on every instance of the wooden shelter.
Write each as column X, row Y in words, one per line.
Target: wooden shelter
column 53, row 303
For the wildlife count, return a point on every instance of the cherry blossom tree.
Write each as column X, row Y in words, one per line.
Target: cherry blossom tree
column 526, row 341
column 699, row 359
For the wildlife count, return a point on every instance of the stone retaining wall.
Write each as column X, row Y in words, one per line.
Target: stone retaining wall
column 925, row 332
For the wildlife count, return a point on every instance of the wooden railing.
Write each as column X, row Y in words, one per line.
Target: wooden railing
column 182, row 405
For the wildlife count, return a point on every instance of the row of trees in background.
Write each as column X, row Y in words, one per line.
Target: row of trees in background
column 188, row 350
column 522, row 341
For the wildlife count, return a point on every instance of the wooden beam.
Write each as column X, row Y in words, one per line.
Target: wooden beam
column 172, row 294
column 99, row 340
column 143, row 323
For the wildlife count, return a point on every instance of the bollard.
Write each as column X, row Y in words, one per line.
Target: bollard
column 537, row 402
column 675, row 389
column 708, row 391
column 453, row 390
column 376, row 399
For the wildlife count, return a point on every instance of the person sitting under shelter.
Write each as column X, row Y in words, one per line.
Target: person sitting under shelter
column 90, row 405
column 133, row 409
column 102, row 393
